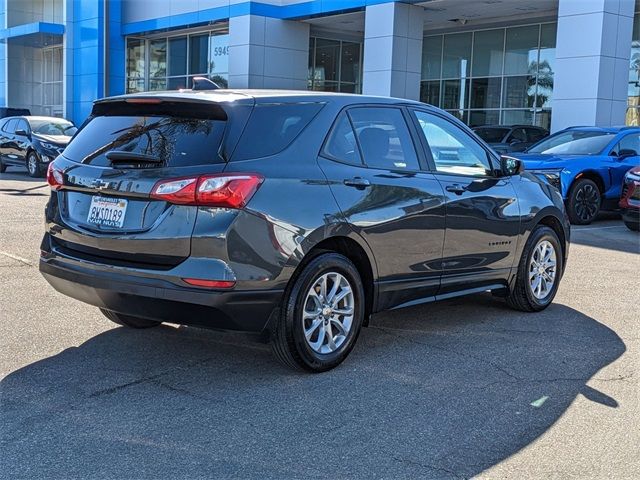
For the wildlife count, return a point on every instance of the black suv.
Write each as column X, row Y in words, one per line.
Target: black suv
column 292, row 215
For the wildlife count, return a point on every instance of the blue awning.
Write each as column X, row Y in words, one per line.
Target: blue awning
column 37, row 34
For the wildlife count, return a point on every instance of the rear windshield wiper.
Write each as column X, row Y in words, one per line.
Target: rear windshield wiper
column 131, row 157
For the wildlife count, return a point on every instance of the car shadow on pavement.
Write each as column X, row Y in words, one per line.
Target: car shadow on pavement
column 29, row 186
column 439, row 391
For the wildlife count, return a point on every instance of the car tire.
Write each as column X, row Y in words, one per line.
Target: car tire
column 584, row 202
column 311, row 332
column 34, row 167
column 129, row 320
column 534, row 271
column 634, row 226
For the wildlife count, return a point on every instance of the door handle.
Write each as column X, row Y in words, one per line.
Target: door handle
column 456, row 188
column 358, row 182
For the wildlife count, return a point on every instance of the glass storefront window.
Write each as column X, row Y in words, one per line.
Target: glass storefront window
column 519, row 92
column 509, row 69
column 135, row 57
column 432, row 57
column 198, row 54
column 483, row 117
column 456, row 58
column 219, row 59
column 157, row 64
column 334, row 65
column 633, row 90
column 521, row 52
column 430, row 92
column 170, row 63
column 455, row 94
column 488, row 53
column 485, row 92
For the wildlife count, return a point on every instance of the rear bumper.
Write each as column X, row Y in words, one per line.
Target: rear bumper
column 152, row 294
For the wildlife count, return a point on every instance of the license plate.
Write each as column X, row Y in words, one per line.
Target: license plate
column 107, row 212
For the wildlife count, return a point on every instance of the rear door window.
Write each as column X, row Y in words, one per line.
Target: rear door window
column 341, row 144
column 176, row 141
column 384, row 138
column 272, row 127
column 10, row 126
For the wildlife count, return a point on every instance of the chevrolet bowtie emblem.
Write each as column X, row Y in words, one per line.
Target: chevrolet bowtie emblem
column 100, row 185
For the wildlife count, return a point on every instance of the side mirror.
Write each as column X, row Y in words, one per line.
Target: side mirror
column 627, row 152
column 510, row 166
column 21, row 132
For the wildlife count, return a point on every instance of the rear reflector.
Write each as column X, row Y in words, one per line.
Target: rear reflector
column 228, row 190
column 198, row 282
column 55, row 178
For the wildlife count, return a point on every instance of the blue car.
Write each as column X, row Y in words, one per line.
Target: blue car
column 587, row 165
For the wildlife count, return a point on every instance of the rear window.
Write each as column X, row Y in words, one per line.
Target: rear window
column 272, row 128
column 177, row 141
column 491, row 135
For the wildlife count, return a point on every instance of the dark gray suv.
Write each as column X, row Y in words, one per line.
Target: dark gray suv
column 291, row 215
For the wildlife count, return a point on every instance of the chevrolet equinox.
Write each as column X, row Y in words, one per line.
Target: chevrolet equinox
column 291, row 215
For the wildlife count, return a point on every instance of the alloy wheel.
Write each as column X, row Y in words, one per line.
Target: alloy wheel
column 32, row 164
column 328, row 311
column 542, row 269
column 587, row 202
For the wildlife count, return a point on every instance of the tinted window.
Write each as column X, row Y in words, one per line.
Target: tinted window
column 272, row 128
column 491, row 134
column 384, row 138
column 177, row 141
column 574, row 142
column 22, row 125
column 341, row 144
column 535, row 135
column 630, row 142
column 10, row 126
column 452, row 149
column 517, row 135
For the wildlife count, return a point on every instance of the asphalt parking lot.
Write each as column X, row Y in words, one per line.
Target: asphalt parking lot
column 464, row 388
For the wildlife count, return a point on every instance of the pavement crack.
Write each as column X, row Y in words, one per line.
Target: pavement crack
column 148, row 379
column 17, row 258
column 448, row 350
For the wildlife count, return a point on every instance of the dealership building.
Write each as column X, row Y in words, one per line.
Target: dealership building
column 552, row 63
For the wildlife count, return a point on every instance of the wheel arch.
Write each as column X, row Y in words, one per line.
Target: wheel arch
column 592, row 175
column 554, row 223
column 356, row 250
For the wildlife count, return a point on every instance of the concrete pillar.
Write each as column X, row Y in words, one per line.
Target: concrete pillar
column 393, row 50
column 592, row 62
column 268, row 53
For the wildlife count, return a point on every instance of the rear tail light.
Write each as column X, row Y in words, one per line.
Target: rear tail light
column 55, row 178
column 229, row 190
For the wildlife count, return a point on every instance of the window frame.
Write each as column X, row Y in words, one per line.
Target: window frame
column 334, row 125
column 616, row 146
column 27, row 125
column 427, row 149
column 7, row 123
column 422, row 164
